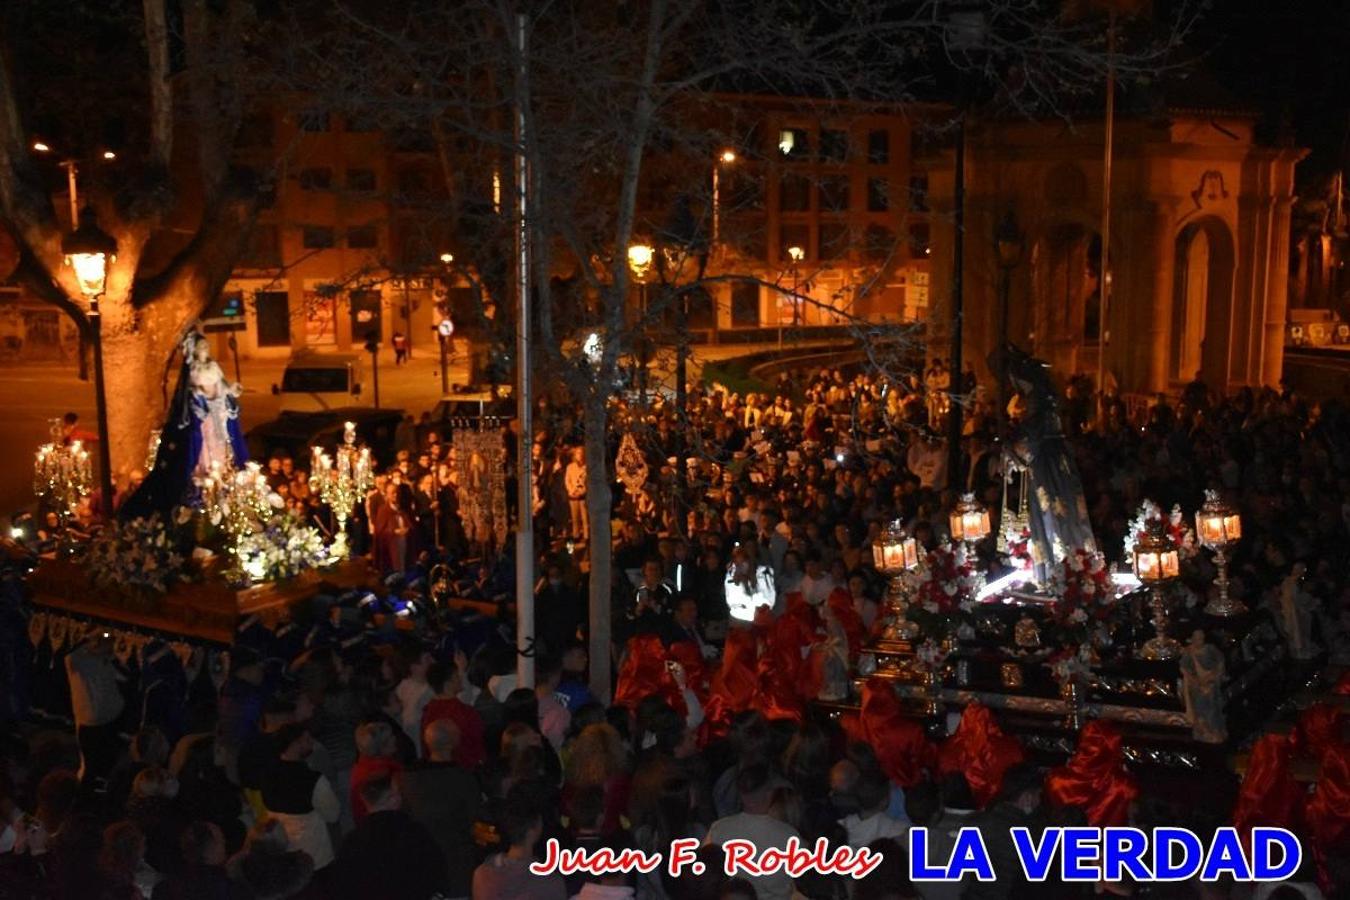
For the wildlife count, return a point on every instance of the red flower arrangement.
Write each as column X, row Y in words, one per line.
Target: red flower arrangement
column 945, row 595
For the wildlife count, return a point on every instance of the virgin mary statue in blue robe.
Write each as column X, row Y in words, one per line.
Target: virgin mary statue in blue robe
column 201, row 435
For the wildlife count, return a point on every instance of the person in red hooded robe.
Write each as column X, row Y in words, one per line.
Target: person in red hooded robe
column 982, row 752
column 903, row 750
column 1095, row 779
column 1269, row 796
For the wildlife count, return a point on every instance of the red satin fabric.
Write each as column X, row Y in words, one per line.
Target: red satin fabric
column 782, row 668
column 981, row 751
column 1095, row 778
column 1329, row 808
column 732, row 687
column 903, row 750
column 688, row 655
column 1319, row 728
column 644, row 673
column 1269, row 796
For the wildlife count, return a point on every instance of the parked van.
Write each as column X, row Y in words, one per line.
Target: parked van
column 321, row 381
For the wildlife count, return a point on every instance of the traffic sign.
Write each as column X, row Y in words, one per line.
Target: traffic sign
column 221, row 324
column 445, row 328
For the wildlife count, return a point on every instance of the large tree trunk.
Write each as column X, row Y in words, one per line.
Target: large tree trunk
column 132, row 362
column 598, row 497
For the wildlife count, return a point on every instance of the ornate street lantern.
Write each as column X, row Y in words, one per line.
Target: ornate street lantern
column 1156, row 564
column 895, row 553
column 969, row 520
column 1220, row 526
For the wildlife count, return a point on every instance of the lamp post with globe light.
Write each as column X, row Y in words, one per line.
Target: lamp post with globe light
column 88, row 250
column 640, row 258
column 725, row 158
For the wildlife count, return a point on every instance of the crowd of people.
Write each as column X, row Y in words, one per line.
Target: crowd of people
column 378, row 746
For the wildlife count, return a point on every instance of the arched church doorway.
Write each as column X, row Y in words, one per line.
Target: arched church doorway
column 1202, row 302
column 1066, row 271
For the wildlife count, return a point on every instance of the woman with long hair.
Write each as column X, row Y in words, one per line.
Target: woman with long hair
column 598, row 757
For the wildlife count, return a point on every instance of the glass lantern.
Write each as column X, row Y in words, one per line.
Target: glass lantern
column 1156, row 562
column 895, row 551
column 1217, row 524
column 1220, row 526
column 894, row 554
column 969, row 520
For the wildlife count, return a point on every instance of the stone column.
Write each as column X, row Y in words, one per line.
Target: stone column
column 1277, row 296
column 1151, row 343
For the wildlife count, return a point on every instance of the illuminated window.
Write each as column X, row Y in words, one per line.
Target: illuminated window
column 794, row 144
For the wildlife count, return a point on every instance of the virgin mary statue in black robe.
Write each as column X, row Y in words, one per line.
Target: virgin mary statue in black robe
column 1057, row 508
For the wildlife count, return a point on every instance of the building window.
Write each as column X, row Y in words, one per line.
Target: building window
column 273, row 312
column 362, row 237
column 316, row 179
column 255, row 132
column 263, row 250
column 318, row 237
column 794, row 236
column 366, row 312
column 360, row 179
column 794, row 193
column 794, row 144
column 833, row 145
column 744, row 304
column 314, row 120
column 878, row 195
column 834, row 240
column 879, row 242
column 919, row 245
column 359, row 124
column 879, row 147
column 834, row 193
column 918, row 193
column 320, row 317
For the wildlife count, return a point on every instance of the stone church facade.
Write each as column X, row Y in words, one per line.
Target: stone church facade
column 1199, row 249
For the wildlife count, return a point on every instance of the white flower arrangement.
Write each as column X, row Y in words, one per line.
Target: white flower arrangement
column 283, row 548
column 136, row 554
column 1174, row 523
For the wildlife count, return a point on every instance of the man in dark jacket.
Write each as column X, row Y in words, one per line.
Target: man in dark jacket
column 444, row 798
column 390, row 855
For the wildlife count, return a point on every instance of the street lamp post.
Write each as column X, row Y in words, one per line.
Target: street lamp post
column 72, row 168
column 795, row 256
column 726, row 157
column 1008, row 242
column 445, row 329
column 640, row 258
column 88, row 250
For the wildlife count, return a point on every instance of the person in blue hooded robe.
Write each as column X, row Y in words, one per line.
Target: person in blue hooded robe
column 201, row 434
